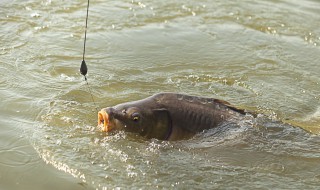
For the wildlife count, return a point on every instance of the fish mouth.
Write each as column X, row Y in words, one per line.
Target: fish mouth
column 103, row 121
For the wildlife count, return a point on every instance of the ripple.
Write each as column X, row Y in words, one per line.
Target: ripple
column 15, row 158
column 49, row 159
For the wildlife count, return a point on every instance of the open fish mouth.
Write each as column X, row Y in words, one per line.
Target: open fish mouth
column 103, row 121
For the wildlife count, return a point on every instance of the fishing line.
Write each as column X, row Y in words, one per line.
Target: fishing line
column 83, row 67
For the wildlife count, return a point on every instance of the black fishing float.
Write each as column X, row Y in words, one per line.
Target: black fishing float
column 83, row 67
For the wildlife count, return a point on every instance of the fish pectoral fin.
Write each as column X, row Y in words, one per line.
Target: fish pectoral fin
column 163, row 124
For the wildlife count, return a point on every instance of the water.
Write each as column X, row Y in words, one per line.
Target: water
column 259, row 55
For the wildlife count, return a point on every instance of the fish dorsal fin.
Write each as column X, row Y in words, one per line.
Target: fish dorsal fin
column 228, row 105
column 221, row 102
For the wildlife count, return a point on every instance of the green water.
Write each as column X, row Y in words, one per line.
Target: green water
column 258, row 55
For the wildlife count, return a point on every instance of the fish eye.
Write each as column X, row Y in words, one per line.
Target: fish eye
column 135, row 117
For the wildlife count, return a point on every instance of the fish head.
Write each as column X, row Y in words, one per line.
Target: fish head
column 150, row 123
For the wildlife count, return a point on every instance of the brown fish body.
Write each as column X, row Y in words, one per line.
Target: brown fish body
column 168, row 116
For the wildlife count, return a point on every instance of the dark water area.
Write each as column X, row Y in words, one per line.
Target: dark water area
column 262, row 56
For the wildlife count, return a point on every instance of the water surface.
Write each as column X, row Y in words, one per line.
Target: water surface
column 259, row 55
